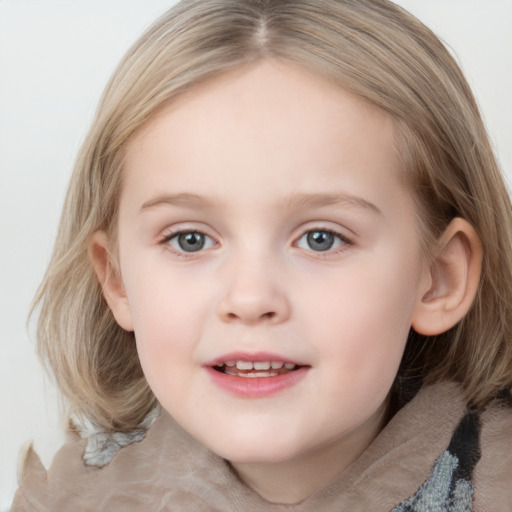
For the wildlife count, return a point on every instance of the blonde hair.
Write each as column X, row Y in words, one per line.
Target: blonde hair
column 372, row 48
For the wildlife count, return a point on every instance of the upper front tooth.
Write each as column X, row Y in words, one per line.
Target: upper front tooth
column 244, row 365
column 231, row 364
column 289, row 366
column 261, row 365
column 276, row 365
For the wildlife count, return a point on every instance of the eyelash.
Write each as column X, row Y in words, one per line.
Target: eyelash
column 165, row 241
column 342, row 241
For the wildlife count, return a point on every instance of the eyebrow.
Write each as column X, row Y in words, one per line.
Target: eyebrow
column 293, row 202
column 184, row 200
column 312, row 200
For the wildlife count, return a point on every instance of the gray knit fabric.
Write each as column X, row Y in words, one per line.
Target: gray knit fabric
column 449, row 488
column 440, row 493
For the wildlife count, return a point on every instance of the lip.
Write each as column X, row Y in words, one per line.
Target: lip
column 256, row 387
column 254, row 357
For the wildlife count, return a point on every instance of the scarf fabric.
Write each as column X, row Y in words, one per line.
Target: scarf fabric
column 434, row 455
column 450, row 487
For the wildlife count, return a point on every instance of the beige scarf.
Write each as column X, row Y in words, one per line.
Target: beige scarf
column 170, row 471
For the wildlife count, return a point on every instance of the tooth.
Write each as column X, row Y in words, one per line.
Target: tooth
column 231, row 364
column 289, row 366
column 220, row 365
column 258, row 374
column 276, row 365
column 261, row 365
column 252, row 374
column 244, row 365
column 267, row 374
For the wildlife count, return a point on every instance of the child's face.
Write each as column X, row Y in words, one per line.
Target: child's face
column 262, row 219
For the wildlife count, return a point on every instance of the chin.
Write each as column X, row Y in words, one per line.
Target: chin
column 262, row 450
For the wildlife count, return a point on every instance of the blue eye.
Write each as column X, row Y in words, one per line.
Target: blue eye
column 190, row 241
column 320, row 240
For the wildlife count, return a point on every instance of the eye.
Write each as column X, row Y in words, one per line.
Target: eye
column 321, row 240
column 189, row 241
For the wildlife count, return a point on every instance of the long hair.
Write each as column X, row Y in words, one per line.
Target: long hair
column 371, row 48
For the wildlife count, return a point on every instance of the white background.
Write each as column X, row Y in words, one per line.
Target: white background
column 55, row 58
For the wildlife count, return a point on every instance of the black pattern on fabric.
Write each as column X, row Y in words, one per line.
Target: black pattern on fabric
column 449, row 488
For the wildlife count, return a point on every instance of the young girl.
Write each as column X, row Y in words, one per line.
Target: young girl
column 283, row 274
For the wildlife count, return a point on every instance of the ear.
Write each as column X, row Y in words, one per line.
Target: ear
column 110, row 279
column 453, row 279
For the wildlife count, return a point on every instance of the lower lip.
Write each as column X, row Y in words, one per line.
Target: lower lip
column 256, row 387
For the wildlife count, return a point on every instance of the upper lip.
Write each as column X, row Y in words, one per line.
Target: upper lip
column 251, row 357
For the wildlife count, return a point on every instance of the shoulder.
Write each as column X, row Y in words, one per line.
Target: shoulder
column 493, row 473
column 32, row 493
column 86, row 472
column 41, row 490
column 162, row 468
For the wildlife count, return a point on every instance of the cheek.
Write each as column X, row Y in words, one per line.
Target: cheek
column 168, row 312
column 363, row 339
column 161, row 296
column 166, row 334
column 363, row 319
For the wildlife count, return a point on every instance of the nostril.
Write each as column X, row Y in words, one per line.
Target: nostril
column 265, row 316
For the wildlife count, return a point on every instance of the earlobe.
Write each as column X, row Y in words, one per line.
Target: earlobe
column 110, row 279
column 454, row 276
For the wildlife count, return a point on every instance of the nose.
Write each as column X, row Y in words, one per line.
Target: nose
column 254, row 294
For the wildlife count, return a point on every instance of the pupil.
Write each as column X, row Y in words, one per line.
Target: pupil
column 191, row 242
column 320, row 240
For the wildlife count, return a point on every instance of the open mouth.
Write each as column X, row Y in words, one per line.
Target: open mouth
column 256, row 375
column 254, row 369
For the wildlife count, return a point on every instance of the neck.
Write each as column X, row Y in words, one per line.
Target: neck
column 293, row 480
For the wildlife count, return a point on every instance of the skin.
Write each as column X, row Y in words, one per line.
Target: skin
column 256, row 157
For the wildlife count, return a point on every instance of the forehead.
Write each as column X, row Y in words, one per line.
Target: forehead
column 272, row 123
